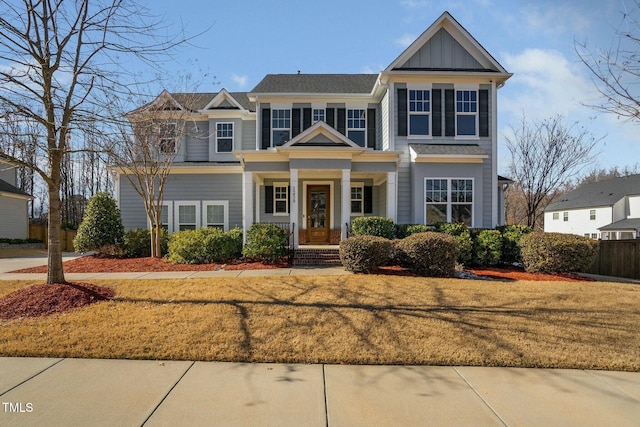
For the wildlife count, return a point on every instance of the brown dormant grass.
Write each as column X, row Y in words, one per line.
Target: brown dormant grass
column 346, row 319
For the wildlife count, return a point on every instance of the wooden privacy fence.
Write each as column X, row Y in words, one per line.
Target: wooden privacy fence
column 40, row 232
column 618, row 258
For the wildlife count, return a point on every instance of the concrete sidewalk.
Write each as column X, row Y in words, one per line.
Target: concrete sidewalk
column 80, row 392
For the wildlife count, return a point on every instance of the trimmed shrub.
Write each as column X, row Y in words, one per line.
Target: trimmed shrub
column 487, row 247
column 186, row 247
column 557, row 252
column 265, row 242
column 373, row 226
column 363, row 254
column 462, row 235
column 429, row 254
column 511, row 235
column 137, row 243
column 101, row 225
column 222, row 246
column 405, row 230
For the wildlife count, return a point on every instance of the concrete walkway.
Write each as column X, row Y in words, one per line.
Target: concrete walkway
column 82, row 392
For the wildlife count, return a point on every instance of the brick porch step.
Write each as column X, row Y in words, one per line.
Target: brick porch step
column 318, row 257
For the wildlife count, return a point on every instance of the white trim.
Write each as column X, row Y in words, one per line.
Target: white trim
column 170, row 224
column 176, row 209
column 273, row 128
column 449, row 201
column 305, row 184
column 284, row 185
column 219, row 98
column 224, row 204
column 358, row 129
column 466, row 88
column 429, row 114
column 360, row 185
column 233, row 137
column 495, row 214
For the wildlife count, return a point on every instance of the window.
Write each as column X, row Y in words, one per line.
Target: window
column 556, row 216
column 317, row 115
column 280, row 198
column 166, row 216
column 594, row 236
column 356, row 126
column 280, row 127
column 224, row 137
column 216, row 214
column 592, row 214
column 357, row 200
column 167, row 138
column 449, row 200
column 565, row 216
column 466, row 112
column 187, row 215
column 419, row 112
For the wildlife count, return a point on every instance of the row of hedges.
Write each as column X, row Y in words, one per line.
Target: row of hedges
column 426, row 254
column 475, row 247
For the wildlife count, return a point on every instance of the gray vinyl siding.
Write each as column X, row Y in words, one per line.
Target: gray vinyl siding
column 197, row 142
column 187, row 187
column 14, row 224
column 442, row 51
column 8, row 174
column 248, row 135
column 238, row 132
column 380, row 199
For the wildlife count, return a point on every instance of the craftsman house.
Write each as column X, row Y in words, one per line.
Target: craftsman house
column 607, row 210
column 415, row 143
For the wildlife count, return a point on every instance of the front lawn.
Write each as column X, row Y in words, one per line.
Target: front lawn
column 356, row 319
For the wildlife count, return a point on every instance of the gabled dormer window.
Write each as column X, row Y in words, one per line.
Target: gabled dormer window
column 280, row 126
column 419, row 112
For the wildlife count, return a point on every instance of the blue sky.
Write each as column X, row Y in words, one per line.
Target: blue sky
column 535, row 40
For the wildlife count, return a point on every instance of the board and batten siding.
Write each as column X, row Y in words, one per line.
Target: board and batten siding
column 15, row 217
column 185, row 187
column 442, row 51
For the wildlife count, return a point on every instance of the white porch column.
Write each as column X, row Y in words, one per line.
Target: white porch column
column 294, row 226
column 392, row 198
column 346, row 202
column 247, row 203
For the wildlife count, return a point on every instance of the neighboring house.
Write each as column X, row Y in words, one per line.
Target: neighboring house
column 416, row 143
column 14, row 209
column 607, row 210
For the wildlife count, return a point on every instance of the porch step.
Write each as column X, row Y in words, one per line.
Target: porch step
column 319, row 257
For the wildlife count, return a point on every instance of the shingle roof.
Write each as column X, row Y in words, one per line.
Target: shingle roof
column 8, row 188
column 197, row 101
column 316, row 83
column 449, row 149
column 600, row 193
column 624, row 224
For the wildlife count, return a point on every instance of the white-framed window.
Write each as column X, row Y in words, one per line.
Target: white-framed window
column 556, row 216
column 281, row 198
column 592, row 215
column 318, row 115
column 167, row 135
column 419, row 112
column 215, row 214
column 224, row 137
column 594, row 236
column 357, row 126
column 166, row 216
column 467, row 112
column 187, row 215
column 280, row 126
column 449, row 200
column 357, row 199
column 565, row 216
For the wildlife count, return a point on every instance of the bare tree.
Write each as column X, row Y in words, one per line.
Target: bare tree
column 615, row 70
column 545, row 156
column 65, row 62
column 144, row 157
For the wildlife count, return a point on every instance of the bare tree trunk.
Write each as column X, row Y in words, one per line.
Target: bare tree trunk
column 55, row 273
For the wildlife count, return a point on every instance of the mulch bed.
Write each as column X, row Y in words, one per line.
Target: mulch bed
column 515, row 273
column 43, row 300
column 94, row 264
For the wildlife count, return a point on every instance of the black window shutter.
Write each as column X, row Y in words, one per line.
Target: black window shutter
column 371, row 128
column 295, row 122
column 402, row 112
column 306, row 118
column 342, row 121
column 436, row 112
column 331, row 121
column 368, row 199
column 268, row 199
column 266, row 128
column 449, row 113
column 483, row 100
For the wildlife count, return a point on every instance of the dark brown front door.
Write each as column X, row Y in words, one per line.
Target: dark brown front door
column 318, row 214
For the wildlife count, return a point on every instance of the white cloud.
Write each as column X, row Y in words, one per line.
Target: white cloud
column 405, row 40
column 414, row 4
column 554, row 20
column 241, row 81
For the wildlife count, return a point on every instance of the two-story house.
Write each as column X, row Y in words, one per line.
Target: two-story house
column 416, row 143
column 14, row 202
column 607, row 210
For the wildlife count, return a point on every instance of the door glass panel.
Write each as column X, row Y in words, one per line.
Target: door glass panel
column 318, row 209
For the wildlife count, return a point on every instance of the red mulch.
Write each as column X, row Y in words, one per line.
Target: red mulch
column 93, row 264
column 43, row 300
column 515, row 273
